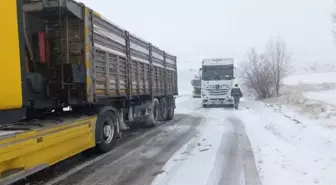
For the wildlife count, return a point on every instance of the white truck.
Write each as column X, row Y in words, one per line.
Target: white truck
column 196, row 83
column 217, row 81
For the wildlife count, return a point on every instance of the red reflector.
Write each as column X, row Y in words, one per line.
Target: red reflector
column 42, row 47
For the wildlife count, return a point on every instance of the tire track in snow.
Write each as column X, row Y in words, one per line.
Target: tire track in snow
column 229, row 170
column 237, row 157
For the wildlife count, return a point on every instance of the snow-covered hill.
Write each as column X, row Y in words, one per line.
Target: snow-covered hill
column 311, row 78
column 306, row 67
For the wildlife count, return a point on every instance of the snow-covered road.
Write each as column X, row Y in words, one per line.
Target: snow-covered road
column 220, row 154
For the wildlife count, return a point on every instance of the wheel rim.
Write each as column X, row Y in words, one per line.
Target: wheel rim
column 108, row 130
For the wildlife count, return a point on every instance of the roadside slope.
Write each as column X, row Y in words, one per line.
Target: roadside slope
column 290, row 149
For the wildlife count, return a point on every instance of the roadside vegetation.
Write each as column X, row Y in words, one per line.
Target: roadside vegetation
column 263, row 72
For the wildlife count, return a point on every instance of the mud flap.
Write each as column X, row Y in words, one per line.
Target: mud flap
column 123, row 125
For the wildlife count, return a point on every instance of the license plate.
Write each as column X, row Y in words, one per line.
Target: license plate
column 219, row 102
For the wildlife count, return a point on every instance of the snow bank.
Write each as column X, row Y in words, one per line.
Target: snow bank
column 290, row 149
column 315, row 78
column 310, row 106
column 311, row 95
column 328, row 97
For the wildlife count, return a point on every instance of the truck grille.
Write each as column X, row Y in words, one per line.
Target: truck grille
column 216, row 92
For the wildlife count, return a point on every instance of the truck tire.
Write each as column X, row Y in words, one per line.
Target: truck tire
column 171, row 109
column 154, row 114
column 163, row 109
column 106, row 131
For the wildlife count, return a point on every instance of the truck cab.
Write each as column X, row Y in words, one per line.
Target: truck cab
column 197, row 87
column 217, row 81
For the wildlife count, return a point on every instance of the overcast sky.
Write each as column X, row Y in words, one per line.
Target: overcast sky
column 196, row 29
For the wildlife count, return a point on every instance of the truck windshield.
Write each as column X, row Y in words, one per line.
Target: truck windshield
column 217, row 72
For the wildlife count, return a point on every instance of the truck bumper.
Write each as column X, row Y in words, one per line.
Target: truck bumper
column 197, row 96
column 218, row 101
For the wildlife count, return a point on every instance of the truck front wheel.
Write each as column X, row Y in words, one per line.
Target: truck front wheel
column 106, row 131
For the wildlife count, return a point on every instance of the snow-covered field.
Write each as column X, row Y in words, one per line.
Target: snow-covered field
column 311, row 78
column 309, row 66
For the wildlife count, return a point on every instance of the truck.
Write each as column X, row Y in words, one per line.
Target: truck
column 217, row 81
column 196, row 83
column 71, row 80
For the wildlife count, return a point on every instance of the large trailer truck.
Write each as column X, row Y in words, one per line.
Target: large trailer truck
column 217, row 81
column 71, row 80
